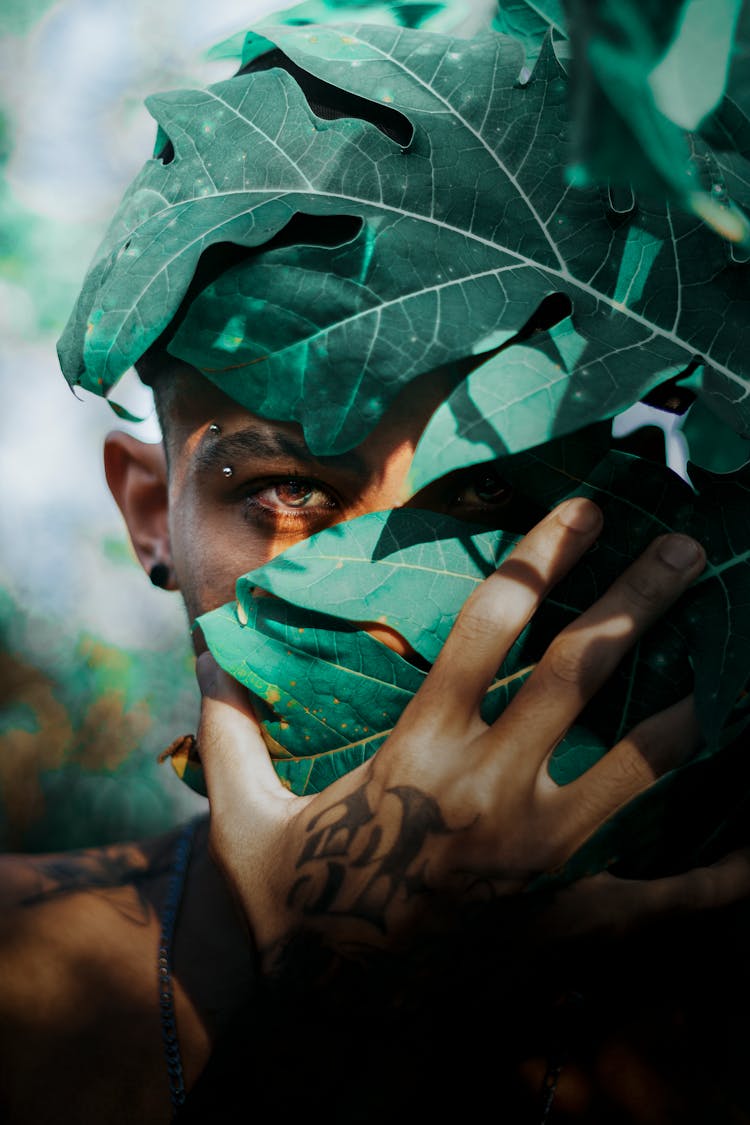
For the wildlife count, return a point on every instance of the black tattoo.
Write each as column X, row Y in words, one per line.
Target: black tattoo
column 98, row 871
column 394, row 870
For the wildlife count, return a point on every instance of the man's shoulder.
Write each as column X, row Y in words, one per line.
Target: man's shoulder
column 79, row 934
column 96, row 906
column 33, row 881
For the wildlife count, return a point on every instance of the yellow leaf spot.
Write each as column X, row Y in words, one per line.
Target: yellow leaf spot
column 272, row 695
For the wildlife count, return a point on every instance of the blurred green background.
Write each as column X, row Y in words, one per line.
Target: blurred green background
column 96, row 673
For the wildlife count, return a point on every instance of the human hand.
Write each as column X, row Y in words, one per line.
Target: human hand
column 451, row 810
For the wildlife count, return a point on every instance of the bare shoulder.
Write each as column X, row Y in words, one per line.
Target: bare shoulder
column 60, row 910
column 79, row 932
column 33, row 883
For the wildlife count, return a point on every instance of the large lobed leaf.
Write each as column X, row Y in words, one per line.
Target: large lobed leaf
column 429, row 217
column 328, row 694
column 412, row 570
column 463, row 222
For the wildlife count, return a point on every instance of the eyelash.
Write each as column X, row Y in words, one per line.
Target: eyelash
column 271, row 516
column 266, row 514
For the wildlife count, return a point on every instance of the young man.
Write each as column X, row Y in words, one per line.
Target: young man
column 82, row 933
column 372, row 948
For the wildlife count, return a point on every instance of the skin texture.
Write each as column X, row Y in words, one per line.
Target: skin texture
column 332, row 912
column 79, row 933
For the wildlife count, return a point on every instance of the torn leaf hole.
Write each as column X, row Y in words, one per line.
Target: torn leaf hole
column 331, row 103
column 552, row 309
column 396, row 641
column 671, row 397
column 302, row 229
column 163, row 147
column 167, row 153
column 316, row 230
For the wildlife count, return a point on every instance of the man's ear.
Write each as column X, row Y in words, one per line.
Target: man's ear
column 136, row 473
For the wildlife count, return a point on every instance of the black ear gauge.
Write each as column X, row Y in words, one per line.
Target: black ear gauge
column 159, row 575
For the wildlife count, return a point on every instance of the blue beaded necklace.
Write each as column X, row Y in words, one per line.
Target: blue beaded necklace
column 166, row 999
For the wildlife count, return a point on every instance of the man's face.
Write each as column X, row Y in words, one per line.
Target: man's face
column 242, row 489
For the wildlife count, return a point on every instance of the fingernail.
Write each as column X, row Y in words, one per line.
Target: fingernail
column 580, row 514
column 679, row 551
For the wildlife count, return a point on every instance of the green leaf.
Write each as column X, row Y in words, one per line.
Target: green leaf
column 123, row 412
column 727, row 132
column 385, row 568
column 703, row 32
column 711, row 443
column 454, row 221
column 328, row 694
column 530, row 21
column 505, row 405
column 646, row 76
column 456, row 16
column 417, row 567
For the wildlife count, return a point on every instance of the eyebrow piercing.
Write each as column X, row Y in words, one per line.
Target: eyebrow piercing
column 228, row 471
column 214, row 428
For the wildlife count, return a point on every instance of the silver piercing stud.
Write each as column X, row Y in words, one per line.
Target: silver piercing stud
column 214, row 428
column 228, row 471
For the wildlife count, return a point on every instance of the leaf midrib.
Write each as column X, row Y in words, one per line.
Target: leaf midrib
column 526, row 262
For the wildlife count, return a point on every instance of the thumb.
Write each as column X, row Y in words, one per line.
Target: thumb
column 234, row 756
column 248, row 803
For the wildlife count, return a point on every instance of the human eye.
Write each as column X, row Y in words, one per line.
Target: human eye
column 480, row 490
column 290, row 501
column 482, row 495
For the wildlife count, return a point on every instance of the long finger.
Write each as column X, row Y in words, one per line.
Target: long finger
column 607, row 903
column 646, row 753
column 499, row 609
column 585, row 654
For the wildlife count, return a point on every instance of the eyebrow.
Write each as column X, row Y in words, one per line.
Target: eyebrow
column 269, row 445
